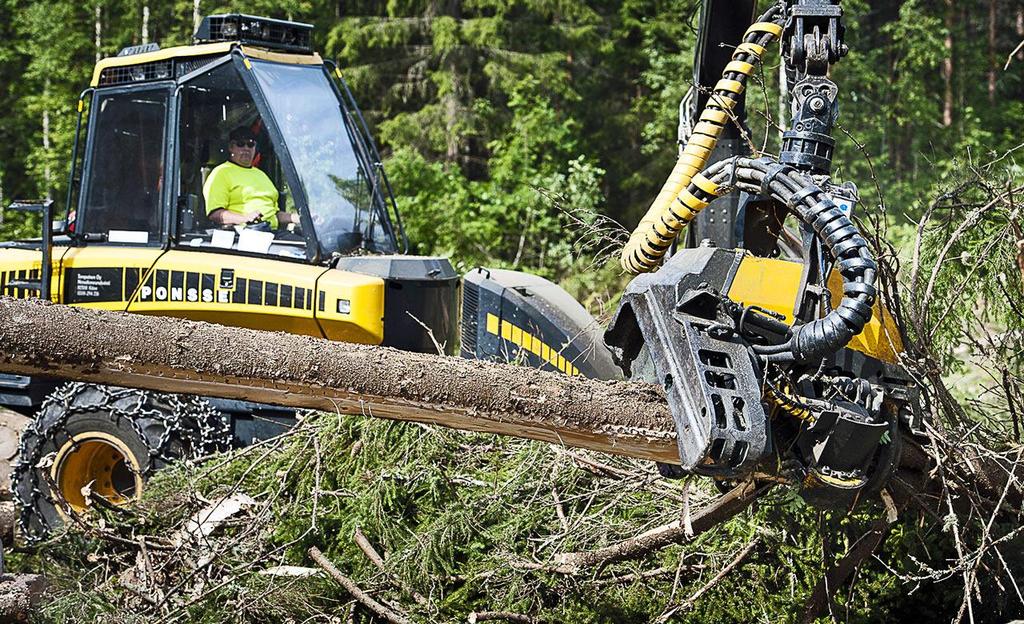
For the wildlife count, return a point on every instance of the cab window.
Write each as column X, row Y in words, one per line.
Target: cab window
column 347, row 210
column 124, row 179
column 214, row 103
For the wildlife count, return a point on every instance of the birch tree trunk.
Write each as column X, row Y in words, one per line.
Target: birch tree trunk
column 993, row 62
column 947, row 65
column 47, row 174
column 98, row 31
column 145, row 23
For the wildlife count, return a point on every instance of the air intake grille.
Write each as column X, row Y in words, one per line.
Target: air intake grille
column 11, row 281
column 470, row 318
column 155, row 70
column 187, row 66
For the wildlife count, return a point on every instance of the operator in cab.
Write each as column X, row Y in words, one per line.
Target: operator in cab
column 238, row 193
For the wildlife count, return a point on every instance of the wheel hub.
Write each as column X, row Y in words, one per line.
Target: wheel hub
column 100, row 462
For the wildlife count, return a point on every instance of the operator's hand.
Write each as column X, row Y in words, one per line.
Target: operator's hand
column 253, row 218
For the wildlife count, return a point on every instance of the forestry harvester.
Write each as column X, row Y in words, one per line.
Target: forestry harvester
column 136, row 237
column 771, row 345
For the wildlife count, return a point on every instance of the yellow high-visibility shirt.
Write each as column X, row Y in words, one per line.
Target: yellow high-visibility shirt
column 242, row 190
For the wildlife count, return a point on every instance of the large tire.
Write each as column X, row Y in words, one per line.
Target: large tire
column 108, row 440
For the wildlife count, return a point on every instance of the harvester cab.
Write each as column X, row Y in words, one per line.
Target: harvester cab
column 167, row 114
column 325, row 256
column 138, row 235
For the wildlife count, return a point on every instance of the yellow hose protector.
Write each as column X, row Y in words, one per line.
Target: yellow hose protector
column 675, row 206
column 787, row 404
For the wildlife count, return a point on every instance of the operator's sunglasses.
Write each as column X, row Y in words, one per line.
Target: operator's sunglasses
column 245, row 143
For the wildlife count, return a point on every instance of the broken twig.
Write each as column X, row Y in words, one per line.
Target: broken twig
column 365, row 599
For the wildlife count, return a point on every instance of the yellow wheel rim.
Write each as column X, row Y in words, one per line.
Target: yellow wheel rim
column 100, row 461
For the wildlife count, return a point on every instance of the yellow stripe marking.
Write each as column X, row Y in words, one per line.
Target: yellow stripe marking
column 702, row 140
column 740, row 67
column 751, row 48
column 525, row 340
column 729, row 86
column 708, row 128
column 766, row 27
column 692, row 161
column 692, row 201
column 698, row 151
column 715, row 116
column 705, row 185
column 721, row 101
column 683, row 213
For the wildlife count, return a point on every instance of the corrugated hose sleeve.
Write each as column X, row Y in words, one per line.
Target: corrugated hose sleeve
column 675, row 206
column 841, row 239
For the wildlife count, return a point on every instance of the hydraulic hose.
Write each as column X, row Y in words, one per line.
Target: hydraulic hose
column 675, row 206
column 840, row 237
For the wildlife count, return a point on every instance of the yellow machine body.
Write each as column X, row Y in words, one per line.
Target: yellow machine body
column 257, row 293
column 774, row 284
column 173, row 268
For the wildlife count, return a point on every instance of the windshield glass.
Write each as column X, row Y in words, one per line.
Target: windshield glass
column 223, row 185
column 346, row 211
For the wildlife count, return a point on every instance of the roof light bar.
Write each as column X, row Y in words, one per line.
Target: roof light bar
column 139, row 49
column 257, row 31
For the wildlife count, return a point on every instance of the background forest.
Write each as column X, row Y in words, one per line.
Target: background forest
column 491, row 113
column 521, row 134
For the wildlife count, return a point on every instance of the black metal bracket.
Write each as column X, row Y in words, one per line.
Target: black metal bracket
column 813, row 41
column 45, row 206
column 814, row 35
column 671, row 330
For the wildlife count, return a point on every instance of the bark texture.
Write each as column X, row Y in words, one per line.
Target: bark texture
column 20, row 595
column 179, row 356
column 174, row 355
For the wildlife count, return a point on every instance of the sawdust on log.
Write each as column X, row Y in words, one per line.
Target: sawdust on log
column 81, row 343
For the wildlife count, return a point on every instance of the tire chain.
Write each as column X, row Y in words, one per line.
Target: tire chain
column 203, row 429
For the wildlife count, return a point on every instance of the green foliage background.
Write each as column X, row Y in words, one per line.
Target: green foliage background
column 478, row 105
column 502, row 123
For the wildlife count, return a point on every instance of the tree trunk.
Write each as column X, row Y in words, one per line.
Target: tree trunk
column 178, row 356
column 47, row 177
column 172, row 355
column 98, row 31
column 993, row 62
column 947, row 65
column 1020, row 24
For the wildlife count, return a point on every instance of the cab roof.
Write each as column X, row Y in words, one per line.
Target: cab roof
column 257, row 37
column 151, row 64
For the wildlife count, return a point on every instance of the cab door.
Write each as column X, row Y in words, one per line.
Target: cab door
column 120, row 224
